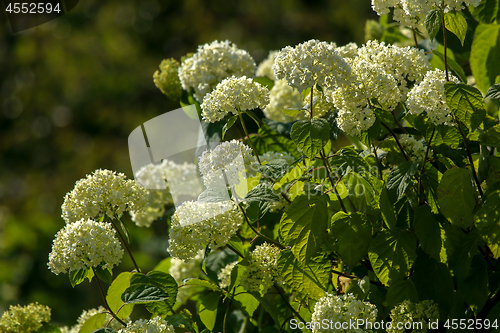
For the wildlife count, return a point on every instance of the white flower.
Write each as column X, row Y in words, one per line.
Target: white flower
column 262, row 271
column 429, row 96
column 409, row 312
column 24, row 319
column 342, row 309
column 103, row 193
column 197, row 224
column 154, row 325
column 85, row 244
column 265, row 68
column 184, row 269
column 312, row 62
column 211, row 64
column 348, row 51
column 233, row 95
column 229, row 160
column 415, row 149
column 224, row 275
column 282, row 97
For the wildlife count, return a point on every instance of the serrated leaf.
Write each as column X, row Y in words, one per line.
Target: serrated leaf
column 245, row 301
column 265, row 81
column 93, row 323
column 143, row 293
column 387, row 210
column 361, row 193
column 202, row 283
column 456, row 197
column 208, row 309
column 303, row 225
column 353, row 234
column 457, row 24
column 292, row 112
column 453, row 65
column 484, row 52
column 161, row 280
column 466, row 103
column 433, row 22
column 392, row 254
column 118, row 286
column 228, row 125
column 487, row 222
column 77, row 277
column 401, row 177
column 311, row 135
column 493, row 92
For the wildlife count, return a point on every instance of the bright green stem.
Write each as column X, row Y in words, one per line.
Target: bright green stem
column 126, row 247
column 105, row 301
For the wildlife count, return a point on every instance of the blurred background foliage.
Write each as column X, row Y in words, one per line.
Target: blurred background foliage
column 73, row 89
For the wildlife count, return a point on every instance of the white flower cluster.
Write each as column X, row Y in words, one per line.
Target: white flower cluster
column 211, row 64
column 341, row 309
column 429, row 96
column 412, row 13
column 198, row 224
column 224, row 275
column 265, row 68
column 24, row 319
column 182, row 270
column 229, row 160
column 262, row 271
column 312, row 62
column 86, row 314
column 233, row 95
column 348, row 51
column 155, row 325
column 409, row 312
column 282, row 97
column 84, row 244
column 415, row 149
column 103, row 193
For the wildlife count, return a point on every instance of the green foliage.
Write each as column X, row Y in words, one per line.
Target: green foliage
column 433, row 22
column 77, row 277
column 493, row 92
column 95, row 322
column 457, row 24
column 466, row 103
column 453, row 65
column 486, row 221
column 311, row 136
column 115, row 290
column 401, row 177
column 208, row 309
column 486, row 11
column 485, row 48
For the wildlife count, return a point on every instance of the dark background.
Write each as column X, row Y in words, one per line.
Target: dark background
column 73, row 89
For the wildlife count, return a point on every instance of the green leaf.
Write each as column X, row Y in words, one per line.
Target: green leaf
column 493, row 92
column 484, row 52
column 251, row 115
column 77, row 277
column 292, row 112
column 228, row 125
column 453, row 65
column 269, row 140
column 48, row 328
column 270, row 308
column 119, row 285
column 143, row 293
column 466, row 103
column 308, row 281
column 265, row 81
column 486, row 11
column 353, row 233
column 93, row 323
column 433, row 22
column 105, row 330
column 202, row 283
column 392, row 254
column 456, row 197
column 387, row 209
column 457, row 24
column 487, row 222
column 475, row 286
column 427, row 230
column 124, row 230
column 361, row 193
column 400, row 291
column 245, row 301
column 401, row 177
column 311, row 135
column 303, row 225
column 105, row 275
column 161, row 280
column 208, row 309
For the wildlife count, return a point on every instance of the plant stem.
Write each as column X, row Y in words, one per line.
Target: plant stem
column 312, row 90
column 469, row 155
column 379, row 165
column 126, row 246
column 105, row 301
column 248, row 136
column 395, row 138
column 397, row 123
column 288, row 304
column 444, row 44
column 415, row 37
column 227, row 311
column 327, row 166
column 234, row 250
column 424, row 161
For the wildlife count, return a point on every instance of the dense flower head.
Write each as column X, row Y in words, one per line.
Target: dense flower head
column 229, row 160
column 85, row 244
column 348, row 51
column 104, row 192
column 282, row 97
column 86, row 314
column 429, row 96
column 233, row 95
column 198, row 224
column 211, row 64
column 416, row 149
column 262, row 271
column 24, row 319
column 154, row 325
column 409, row 312
column 167, row 79
column 342, row 308
column 185, row 269
column 406, row 64
column 312, row 62
column 265, row 68
column 224, row 275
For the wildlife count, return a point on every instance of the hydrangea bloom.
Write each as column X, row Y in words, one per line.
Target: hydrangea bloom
column 415, row 149
column 282, row 97
column 348, row 51
column 341, row 309
column 198, row 224
column 86, row 314
column 233, row 95
column 230, row 159
column 429, row 96
column 224, row 275
column 85, row 244
column 103, row 193
column 409, row 312
column 312, row 62
column 167, row 79
column 182, row 270
column 211, row 64
column 265, row 68
column 24, row 319
column 262, row 271
column 154, row 325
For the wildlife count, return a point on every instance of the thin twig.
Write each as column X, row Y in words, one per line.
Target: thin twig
column 395, row 138
column 444, row 45
column 227, row 311
column 126, row 246
column 469, row 155
column 234, row 250
column 288, row 304
column 325, row 162
column 424, row 161
column 105, row 301
column 415, row 37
